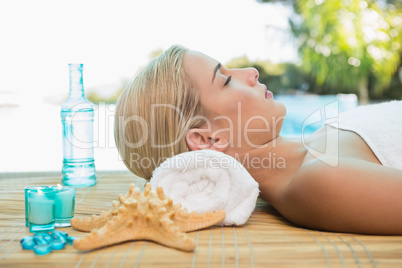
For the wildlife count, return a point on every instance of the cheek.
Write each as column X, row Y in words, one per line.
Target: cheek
column 231, row 106
column 239, row 100
column 222, row 104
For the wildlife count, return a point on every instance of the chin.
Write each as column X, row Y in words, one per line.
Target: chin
column 280, row 116
column 280, row 109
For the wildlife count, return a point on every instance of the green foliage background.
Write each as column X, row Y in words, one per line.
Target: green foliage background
column 349, row 45
column 345, row 46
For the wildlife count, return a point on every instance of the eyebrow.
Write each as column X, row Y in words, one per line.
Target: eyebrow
column 216, row 70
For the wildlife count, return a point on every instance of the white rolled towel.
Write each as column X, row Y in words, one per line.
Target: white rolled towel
column 206, row 181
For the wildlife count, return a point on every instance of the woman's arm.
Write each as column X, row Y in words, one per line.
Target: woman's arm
column 356, row 196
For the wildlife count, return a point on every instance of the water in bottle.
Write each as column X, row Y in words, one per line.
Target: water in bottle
column 77, row 116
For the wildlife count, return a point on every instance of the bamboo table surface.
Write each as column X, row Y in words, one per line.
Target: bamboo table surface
column 266, row 240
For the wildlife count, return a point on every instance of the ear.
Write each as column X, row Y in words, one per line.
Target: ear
column 199, row 139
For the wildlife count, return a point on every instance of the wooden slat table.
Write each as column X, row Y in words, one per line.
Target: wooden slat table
column 267, row 240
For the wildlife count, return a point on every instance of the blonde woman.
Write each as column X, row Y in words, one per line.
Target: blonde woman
column 332, row 180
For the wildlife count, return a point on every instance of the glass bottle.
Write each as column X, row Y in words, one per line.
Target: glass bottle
column 77, row 116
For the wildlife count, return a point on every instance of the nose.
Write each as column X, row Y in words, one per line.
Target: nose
column 252, row 75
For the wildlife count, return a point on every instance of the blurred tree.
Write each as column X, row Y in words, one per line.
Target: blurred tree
column 353, row 44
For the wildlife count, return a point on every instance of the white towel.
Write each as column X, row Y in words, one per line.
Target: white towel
column 380, row 125
column 207, row 180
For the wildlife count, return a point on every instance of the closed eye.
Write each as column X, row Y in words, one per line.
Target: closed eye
column 228, row 80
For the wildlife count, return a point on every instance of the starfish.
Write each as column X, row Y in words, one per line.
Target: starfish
column 147, row 216
column 187, row 222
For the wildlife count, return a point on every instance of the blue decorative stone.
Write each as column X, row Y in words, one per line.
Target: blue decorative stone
column 42, row 249
column 26, row 238
column 48, row 238
column 61, row 232
column 58, row 244
column 39, row 240
column 70, row 239
column 43, row 243
column 28, row 245
column 57, row 236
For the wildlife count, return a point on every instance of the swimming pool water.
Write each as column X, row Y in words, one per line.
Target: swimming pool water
column 303, row 108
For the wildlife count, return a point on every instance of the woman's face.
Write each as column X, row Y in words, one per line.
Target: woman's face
column 239, row 108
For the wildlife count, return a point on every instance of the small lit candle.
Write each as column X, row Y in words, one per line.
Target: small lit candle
column 34, row 188
column 64, row 204
column 40, row 210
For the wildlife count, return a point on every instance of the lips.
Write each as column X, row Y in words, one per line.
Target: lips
column 268, row 94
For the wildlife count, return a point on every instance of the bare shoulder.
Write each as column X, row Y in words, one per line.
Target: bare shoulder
column 317, row 176
column 344, row 168
column 345, row 197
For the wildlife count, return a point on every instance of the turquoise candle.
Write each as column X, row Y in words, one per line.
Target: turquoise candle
column 64, row 204
column 40, row 210
column 34, row 188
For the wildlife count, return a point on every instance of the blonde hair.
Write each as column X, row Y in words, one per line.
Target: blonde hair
column 154, row 113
